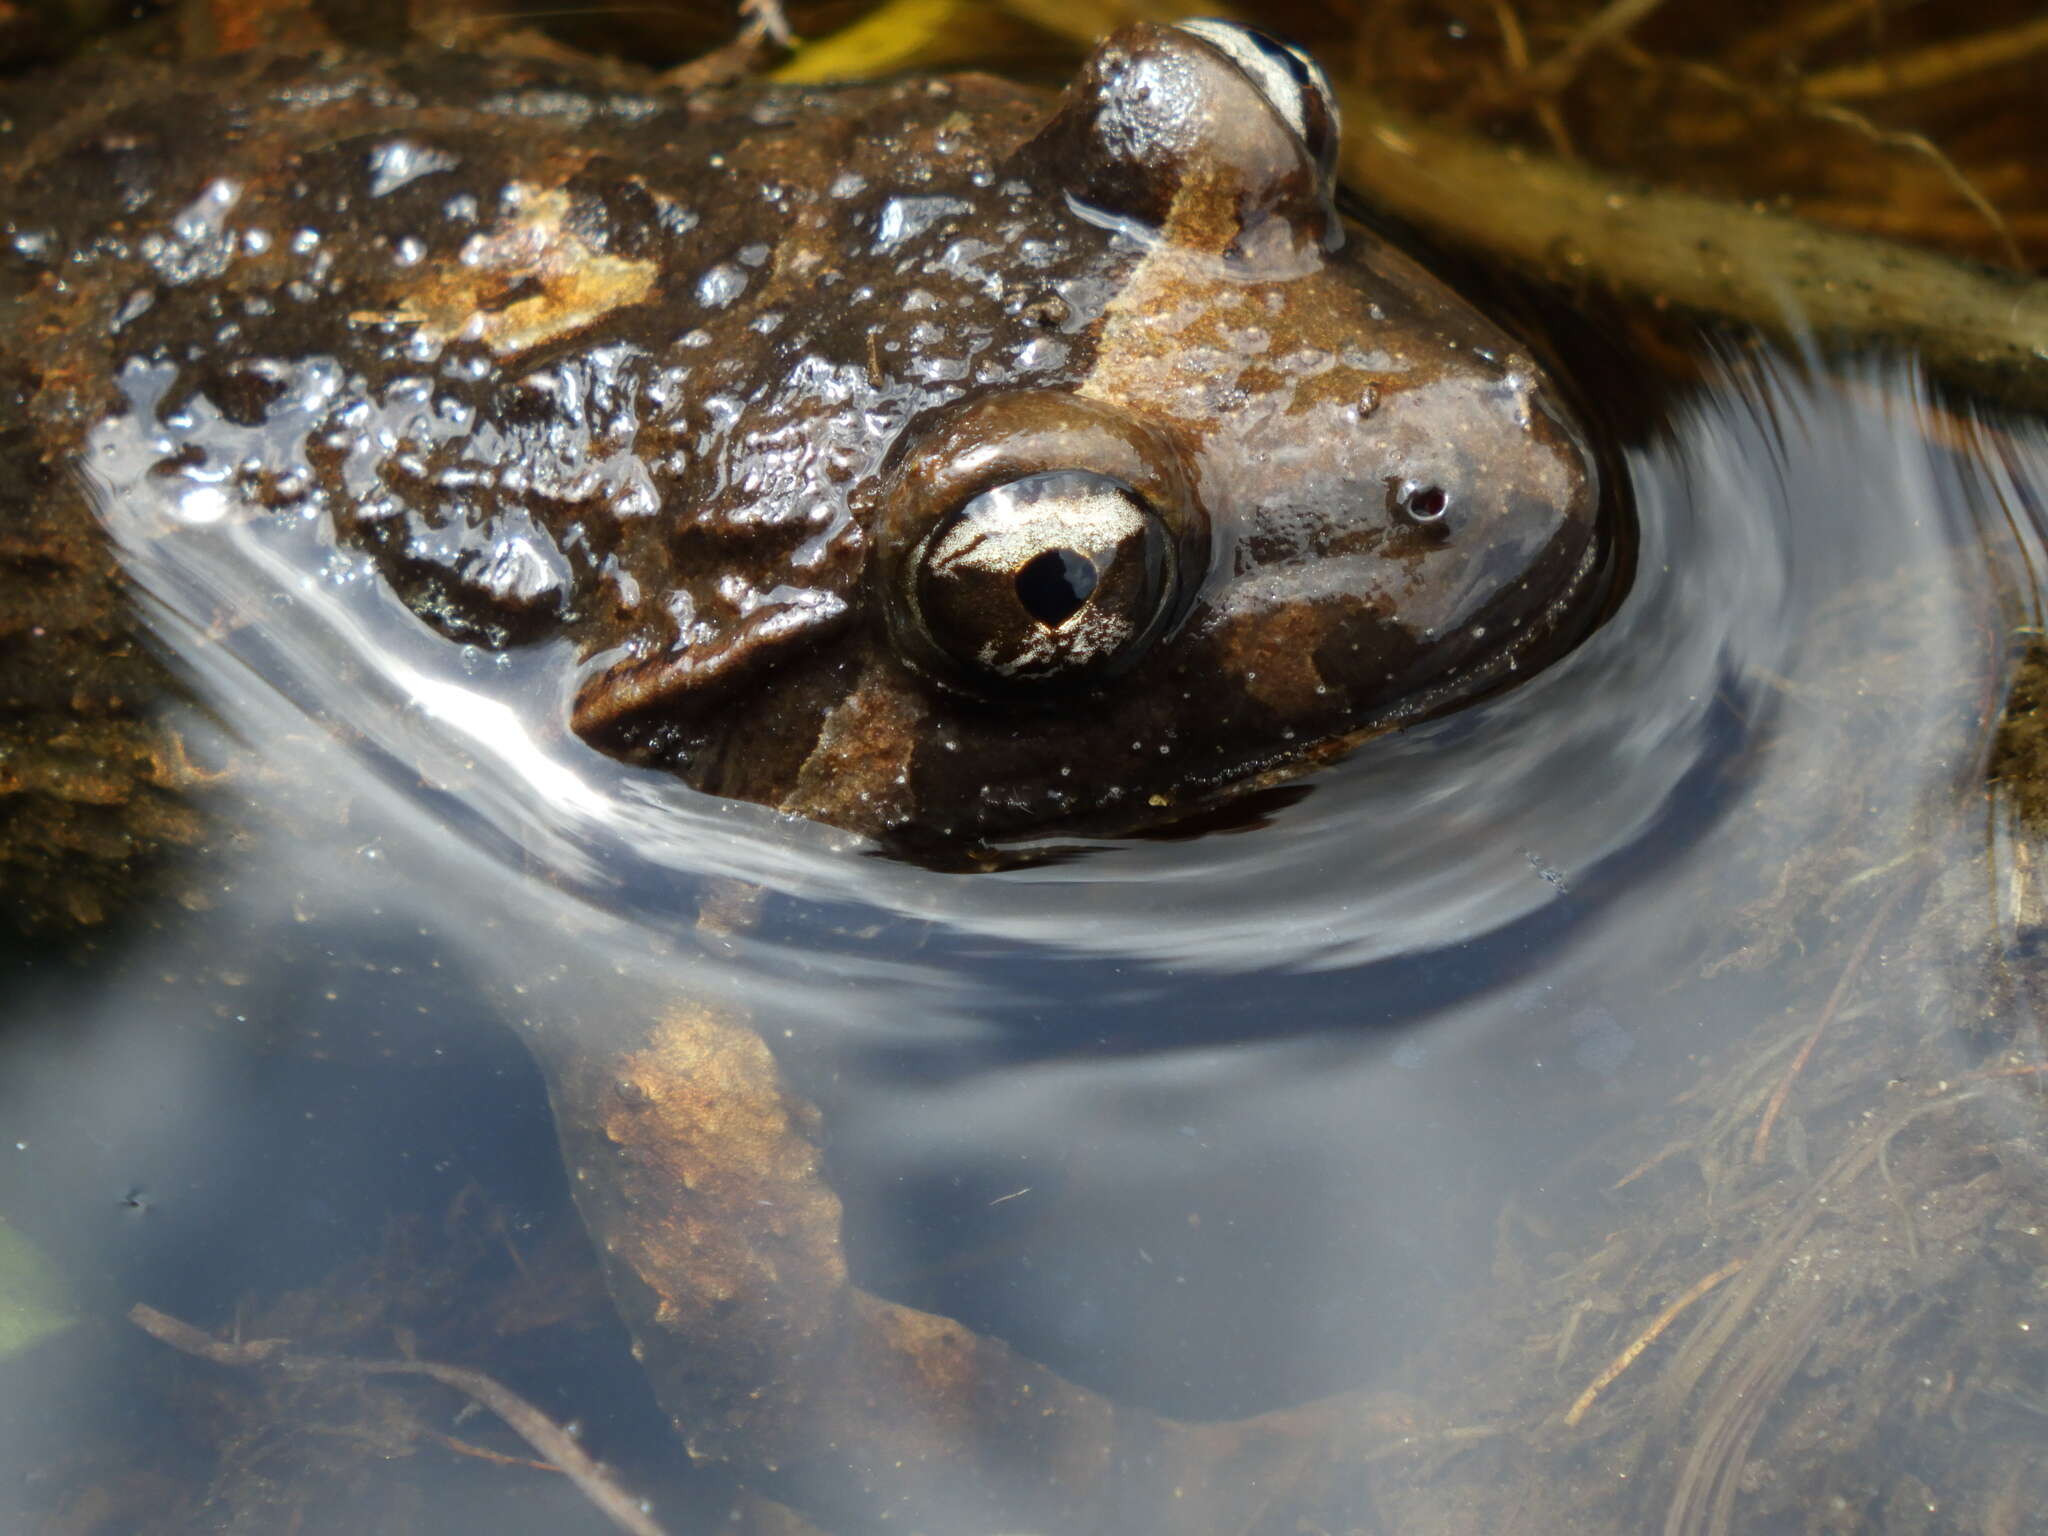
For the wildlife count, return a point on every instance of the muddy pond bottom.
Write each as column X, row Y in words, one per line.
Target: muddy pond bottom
column 1612, row 1105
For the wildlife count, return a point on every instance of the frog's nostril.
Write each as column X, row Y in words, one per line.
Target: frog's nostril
column 1427, row 503
column 1054, row 586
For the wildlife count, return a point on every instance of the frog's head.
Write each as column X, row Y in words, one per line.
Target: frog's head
column 1303, row 492
column 1279, row 490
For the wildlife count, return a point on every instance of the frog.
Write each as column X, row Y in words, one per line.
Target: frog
column 940, row 460
column 906, row 457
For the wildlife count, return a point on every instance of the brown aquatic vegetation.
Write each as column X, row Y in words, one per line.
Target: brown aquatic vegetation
column 1823, row 1247
column 548, row 1438
column 307, row 1420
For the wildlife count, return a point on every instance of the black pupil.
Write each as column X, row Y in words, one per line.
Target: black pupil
column 1053, row 586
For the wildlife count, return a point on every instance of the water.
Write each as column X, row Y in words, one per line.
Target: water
column 1213, row 1126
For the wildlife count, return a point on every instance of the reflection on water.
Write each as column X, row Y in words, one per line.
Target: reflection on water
column 1212, row 1126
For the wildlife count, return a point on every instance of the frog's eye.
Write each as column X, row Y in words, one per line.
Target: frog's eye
column 1209, row 135
column 1293, row 84
column 1063, row 575
column 1035, row 537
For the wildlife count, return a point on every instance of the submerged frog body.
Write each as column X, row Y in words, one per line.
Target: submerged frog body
column 926, row 459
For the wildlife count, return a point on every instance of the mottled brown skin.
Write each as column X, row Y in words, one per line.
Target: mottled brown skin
column 675, row 378
column 688, row 383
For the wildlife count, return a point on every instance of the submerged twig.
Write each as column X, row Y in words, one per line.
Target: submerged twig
column 1937, row 64
column 463, row 1447
column 1926, row 149
column 548, row 1438
column 1613, row 22
column 1646, row 1338
column 182, row 1336
column 1515, row 45
column 1655, row 1160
